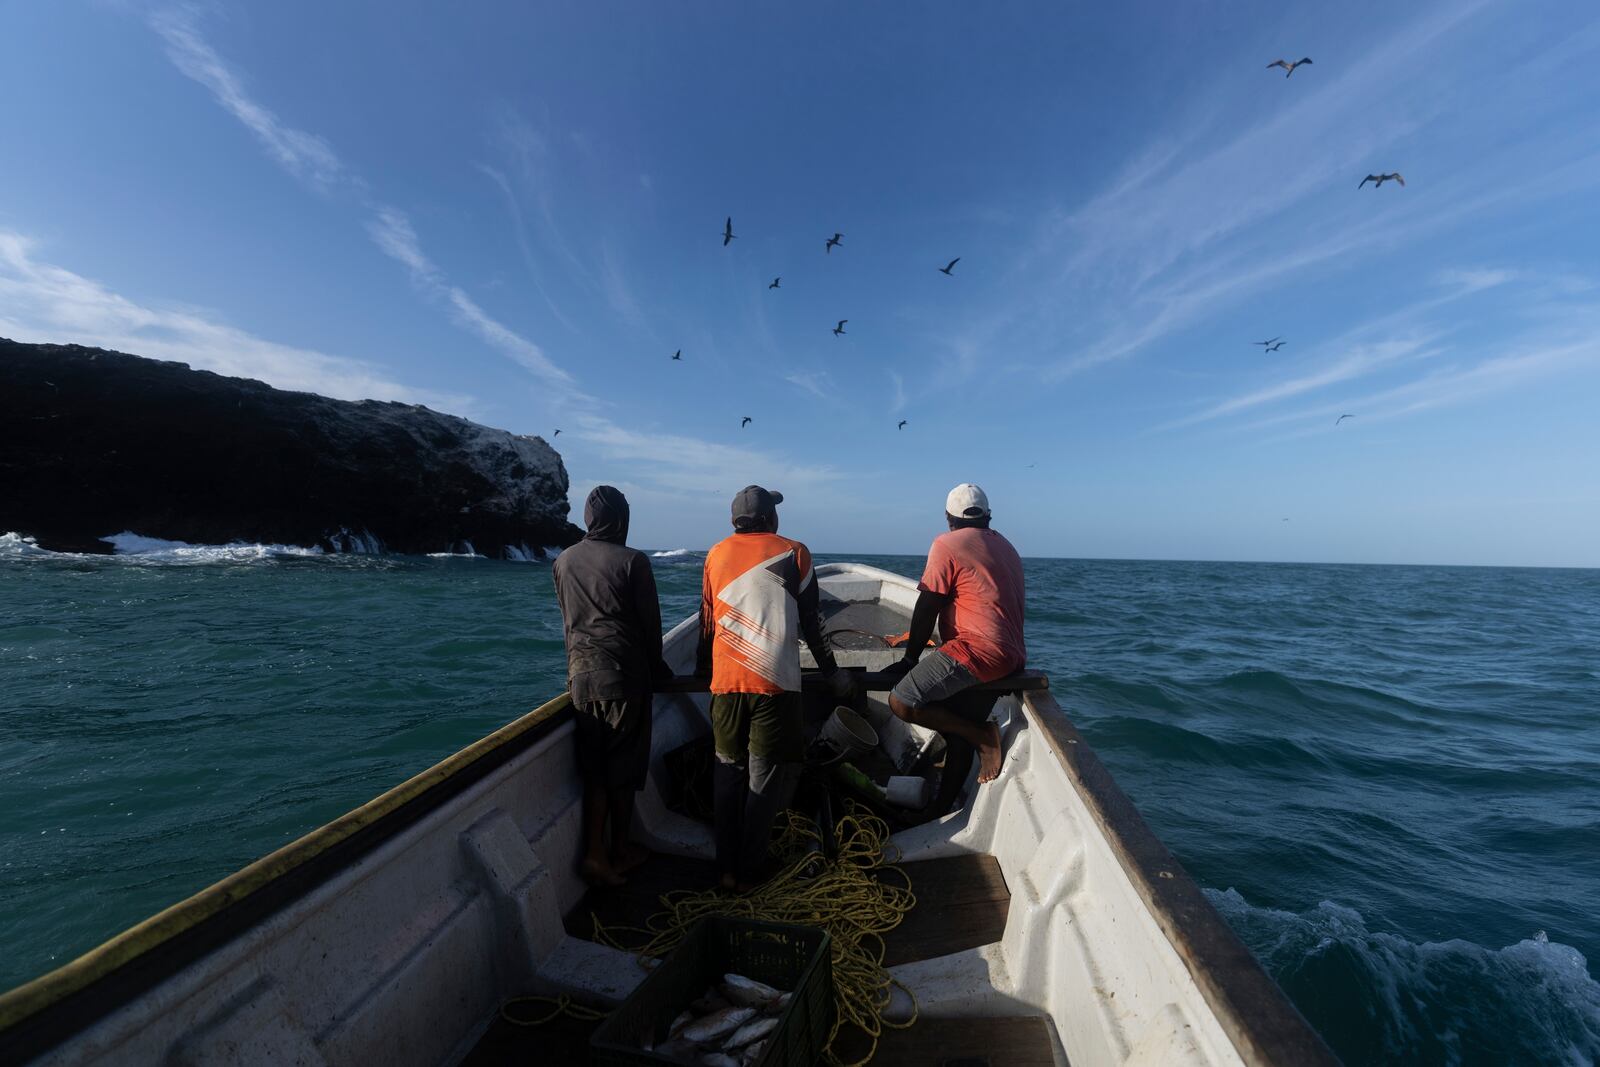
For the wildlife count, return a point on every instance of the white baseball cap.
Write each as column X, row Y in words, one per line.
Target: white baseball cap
column 967, row 501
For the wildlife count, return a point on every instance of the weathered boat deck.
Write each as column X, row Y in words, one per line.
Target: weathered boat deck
column 962, row 903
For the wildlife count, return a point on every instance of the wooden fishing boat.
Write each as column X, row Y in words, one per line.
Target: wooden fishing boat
column 1051, row 925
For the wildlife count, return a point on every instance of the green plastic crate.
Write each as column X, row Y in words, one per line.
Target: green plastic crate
column 795, row 958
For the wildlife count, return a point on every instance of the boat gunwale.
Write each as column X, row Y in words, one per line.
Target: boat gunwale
column 1252, row 1009
column 42, row 1013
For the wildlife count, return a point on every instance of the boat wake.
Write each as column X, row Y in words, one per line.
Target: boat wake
column 1394, row 1000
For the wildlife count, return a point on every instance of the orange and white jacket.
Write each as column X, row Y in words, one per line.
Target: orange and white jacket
column 758, row 598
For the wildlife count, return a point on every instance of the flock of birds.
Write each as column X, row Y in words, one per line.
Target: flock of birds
column 1377, row 181
column 837, row 240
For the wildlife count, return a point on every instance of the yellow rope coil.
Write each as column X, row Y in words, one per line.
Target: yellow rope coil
column 562, row 1005
column 854, row 898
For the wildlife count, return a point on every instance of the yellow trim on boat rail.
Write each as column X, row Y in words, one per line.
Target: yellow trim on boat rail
column 27, row 1000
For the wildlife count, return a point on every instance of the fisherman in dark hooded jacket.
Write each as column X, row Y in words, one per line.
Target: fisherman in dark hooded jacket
column 607, row 594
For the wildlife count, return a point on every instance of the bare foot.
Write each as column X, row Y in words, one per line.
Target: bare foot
column 598, row 873
column 629, row 856
column 990, row 753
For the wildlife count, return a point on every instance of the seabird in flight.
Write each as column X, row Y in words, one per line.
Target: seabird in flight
column 902, row 425
column 1380, row 179
column 1275, row 347
column 1275, row 340
column 946, row 268
column 1287, row 66
column 678, row 354
column 831, row 242
column 556, row 434
column 775, row 282
column 746, row 422
column 727, row 232
column 1341, row 418
column 839, row 329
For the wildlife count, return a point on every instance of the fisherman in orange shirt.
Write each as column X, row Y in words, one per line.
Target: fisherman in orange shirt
column 758, row 598
column 972, row 586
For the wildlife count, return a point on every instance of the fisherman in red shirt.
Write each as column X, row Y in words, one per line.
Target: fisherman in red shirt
column 972, row 586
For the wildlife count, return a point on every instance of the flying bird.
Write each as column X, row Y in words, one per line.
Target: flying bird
column 902, row 424
column 678, row 354
column 1380, row 179
column 727, row 232
column 839, row 329
column 1287, row 66
column 1341, row 418
column 946, row 268
column 1274, row 341
column 831, row 242
column 1274, row 348
column 556, row 434
column 775, row 282
column 746, row 422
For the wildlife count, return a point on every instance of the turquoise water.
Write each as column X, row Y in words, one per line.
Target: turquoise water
column 1388, row 778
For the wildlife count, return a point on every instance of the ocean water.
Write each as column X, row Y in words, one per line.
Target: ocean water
column 1387, row 778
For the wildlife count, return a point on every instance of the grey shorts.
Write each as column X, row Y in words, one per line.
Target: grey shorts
column 935, row 680
column 613, row 740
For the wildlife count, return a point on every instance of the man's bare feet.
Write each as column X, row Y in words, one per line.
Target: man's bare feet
column 990, row 753
column 598, row 873
column 627, row 857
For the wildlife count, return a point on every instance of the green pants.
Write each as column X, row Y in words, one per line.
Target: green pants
column 766, row 725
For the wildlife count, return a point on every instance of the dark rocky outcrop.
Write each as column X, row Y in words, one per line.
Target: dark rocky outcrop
column 93, row 443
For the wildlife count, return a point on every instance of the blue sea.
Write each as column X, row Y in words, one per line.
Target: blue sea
column 1387, row 778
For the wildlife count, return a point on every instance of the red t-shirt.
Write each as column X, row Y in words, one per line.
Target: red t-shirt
column 982, row 623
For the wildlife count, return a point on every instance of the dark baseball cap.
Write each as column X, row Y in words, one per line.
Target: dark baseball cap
column 753, row 503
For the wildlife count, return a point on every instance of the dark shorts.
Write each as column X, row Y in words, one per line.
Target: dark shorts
column 613, row 740
column 938, row 679
column 763, row 724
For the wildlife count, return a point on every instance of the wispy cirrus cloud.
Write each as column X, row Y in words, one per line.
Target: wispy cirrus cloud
column 304, row 155
column 392, row 232
column 313, row 160
column 1195, row 224
column 43, row 302
column 689, row 464
column 1405, row 335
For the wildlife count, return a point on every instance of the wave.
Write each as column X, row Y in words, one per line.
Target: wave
column 1383, row 998
column 135, row 548
column 672, row 553
column 130, row 547
column 15, row 546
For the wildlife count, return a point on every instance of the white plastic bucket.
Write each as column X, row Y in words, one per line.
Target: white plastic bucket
column 907, row 791
column 849, row 733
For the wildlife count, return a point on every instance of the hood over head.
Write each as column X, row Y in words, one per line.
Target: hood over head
column 605, row 513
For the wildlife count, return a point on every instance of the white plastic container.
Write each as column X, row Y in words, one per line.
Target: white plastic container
column 849, row 733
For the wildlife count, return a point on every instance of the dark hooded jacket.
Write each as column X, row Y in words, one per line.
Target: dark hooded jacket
column 607, row 594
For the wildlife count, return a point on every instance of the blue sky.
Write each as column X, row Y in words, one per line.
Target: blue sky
column 513, row 212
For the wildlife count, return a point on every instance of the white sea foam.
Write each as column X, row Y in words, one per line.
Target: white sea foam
column 672, row 553
column 156, row 549
column 15, row 546
column 1537, row 994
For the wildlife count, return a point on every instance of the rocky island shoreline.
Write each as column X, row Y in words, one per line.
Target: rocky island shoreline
column 94, row 443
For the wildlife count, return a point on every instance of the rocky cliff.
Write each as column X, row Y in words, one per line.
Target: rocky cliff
column 93, row 443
